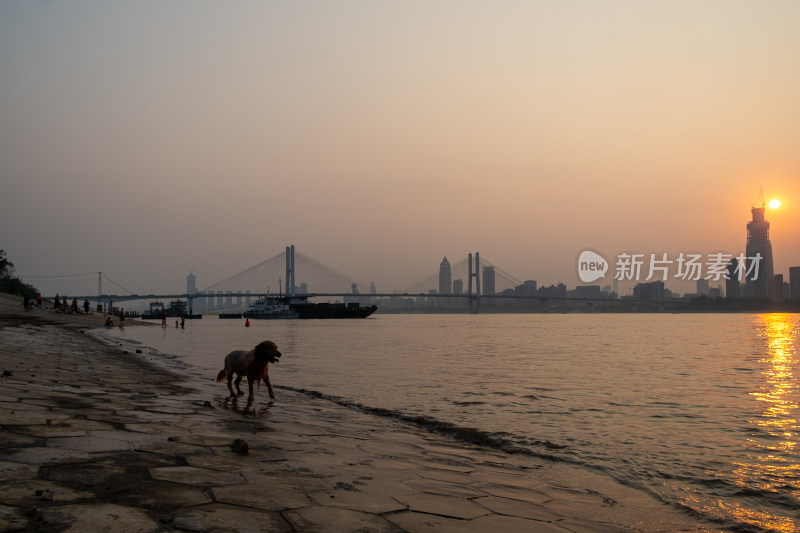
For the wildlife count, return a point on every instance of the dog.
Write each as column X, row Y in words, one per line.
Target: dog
column 252, row 364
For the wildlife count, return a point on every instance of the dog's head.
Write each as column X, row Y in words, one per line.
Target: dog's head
column 267, row 351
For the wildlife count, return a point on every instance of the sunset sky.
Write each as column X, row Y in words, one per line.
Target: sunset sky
column 145, row 139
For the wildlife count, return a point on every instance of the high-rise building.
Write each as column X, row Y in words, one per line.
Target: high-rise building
column 758, row 243
column 776, row 288
column 732, row 284
column 703, row 288
column 650, row 292
column 445, row 277
column 488, row 280
column 191, row 284
column 458, row 286
column 794, row 282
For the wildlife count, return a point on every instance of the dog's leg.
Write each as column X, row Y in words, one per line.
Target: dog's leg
column 269, row 385
column 230, row 388
column 238, row 389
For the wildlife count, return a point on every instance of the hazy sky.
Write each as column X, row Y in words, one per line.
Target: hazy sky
column 144, row 139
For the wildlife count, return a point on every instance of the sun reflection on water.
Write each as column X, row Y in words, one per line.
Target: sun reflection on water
column 772, row 466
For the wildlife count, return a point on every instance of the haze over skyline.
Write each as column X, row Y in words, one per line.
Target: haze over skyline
column 148, row 139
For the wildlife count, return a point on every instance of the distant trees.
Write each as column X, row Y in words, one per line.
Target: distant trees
column 10, row 284
column 6, row 266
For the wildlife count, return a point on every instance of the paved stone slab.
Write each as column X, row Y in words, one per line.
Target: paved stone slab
column 335, row 520
column 518, row 508
column 442, row 505
column 270, row 495
column 27, row 418
column 204, row 440
column 175, row 497
column 94, row 517
column 445, row 488
column 512, row 524
column 23, row 493
column 229, row 519
column 252, row 462
column 190, row 475
column 412, row 522
column 533, row 495
column 40, row 456
column 90, row 444
column 166, row 447
column 358, row 501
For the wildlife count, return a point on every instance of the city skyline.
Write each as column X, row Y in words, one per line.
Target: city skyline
column 146, row 140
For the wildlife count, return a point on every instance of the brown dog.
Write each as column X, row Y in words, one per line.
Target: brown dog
column 252, row 364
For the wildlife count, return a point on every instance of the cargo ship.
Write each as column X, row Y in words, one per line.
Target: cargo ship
column 272, row 307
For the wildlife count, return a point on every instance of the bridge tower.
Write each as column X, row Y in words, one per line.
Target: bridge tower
column 474, row 301
column 290, row 270
column 99, row 292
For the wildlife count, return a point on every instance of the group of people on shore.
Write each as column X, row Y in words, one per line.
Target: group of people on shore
column 62, row 305
column 29, row 304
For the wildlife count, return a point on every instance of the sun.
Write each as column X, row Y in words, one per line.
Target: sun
column 775, row 204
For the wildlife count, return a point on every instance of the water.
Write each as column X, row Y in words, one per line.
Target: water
column 699, row 410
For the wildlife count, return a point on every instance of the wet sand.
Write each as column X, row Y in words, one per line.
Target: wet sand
column 94, row 438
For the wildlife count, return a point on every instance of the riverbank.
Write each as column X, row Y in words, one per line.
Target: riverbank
column 95, row 438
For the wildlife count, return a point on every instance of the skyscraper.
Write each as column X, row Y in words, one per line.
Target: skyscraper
column 445, row 277
column 794, row 282
column 732, row 285
column 758, row 243
column 703, row 288
column 488, row 280
column 191, row 284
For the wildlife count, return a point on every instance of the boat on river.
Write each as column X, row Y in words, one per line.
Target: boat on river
column 270, row 307
column 175, row 309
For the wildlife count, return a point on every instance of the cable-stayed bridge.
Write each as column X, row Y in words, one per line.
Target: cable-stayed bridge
column 313, row 276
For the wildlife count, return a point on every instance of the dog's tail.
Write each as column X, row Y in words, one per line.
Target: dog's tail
column 222, row 375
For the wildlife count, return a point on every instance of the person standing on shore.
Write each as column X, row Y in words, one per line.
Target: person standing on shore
column 163, row 319
column 183, row 322
column 86, row 306
column 121, row 316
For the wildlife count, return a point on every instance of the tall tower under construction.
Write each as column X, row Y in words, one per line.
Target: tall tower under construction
column 758, row 243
